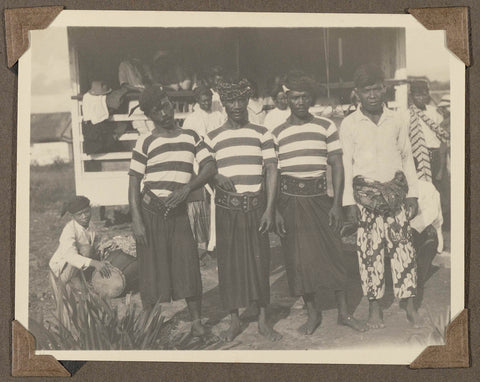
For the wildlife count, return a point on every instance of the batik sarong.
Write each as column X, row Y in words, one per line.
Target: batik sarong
column 384, row 230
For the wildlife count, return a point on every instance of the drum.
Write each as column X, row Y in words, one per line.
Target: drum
column 123, row 278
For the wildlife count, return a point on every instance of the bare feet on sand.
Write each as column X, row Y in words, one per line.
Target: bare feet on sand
column 375, row 319
column 352, row 323
column 267, row 331
column 198, row 330
column 234, row 330
column 313, row 322
column 414, row 318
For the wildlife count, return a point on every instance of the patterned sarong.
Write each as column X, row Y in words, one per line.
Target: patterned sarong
column 384, row 231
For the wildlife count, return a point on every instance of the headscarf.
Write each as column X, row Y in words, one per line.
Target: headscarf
column 229, row 91
column 76, row 204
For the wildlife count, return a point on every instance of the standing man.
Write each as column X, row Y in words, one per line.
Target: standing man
column 430, row 142
column 166, row 251
column 381, row 190
column 245, row 212
column 307, row 221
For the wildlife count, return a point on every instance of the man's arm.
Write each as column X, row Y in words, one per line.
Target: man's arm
column 205, row 173
column 267, row 220
column 335, row 214
column 134, row 201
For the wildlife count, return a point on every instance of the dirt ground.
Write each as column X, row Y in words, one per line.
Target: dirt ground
column 286, row 313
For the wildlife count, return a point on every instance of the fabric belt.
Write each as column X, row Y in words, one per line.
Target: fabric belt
column 292, row 186
column 246, row 202
column 155, row 204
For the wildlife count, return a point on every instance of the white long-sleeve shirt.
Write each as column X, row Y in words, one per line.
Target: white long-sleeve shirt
column 75, row 250
column 376, row 151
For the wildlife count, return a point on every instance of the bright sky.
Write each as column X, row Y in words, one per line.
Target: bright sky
column 51, row 91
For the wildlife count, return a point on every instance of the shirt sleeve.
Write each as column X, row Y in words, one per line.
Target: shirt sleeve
column 202, row 154
column 346, row 140
column 69, row 249
column 408, row 163
column 333, row 140
column 268, row 148
column 209, row 145
column 138, row 162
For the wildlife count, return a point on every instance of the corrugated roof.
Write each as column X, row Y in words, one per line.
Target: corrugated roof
column 50, row 127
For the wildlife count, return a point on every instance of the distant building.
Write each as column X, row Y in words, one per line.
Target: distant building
column 50, row 138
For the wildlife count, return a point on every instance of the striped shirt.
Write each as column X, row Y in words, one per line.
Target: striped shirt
column 242, row 153
column 166, row 164
column 303, row 149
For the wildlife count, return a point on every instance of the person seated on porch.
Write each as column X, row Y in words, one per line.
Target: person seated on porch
column 168, row 72
column 134, row 74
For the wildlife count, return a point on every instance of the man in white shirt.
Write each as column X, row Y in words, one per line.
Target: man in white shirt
column 203, row 119
column 430, row 142
column 281, row 112
column 380, row 193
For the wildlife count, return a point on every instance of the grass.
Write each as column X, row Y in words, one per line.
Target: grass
column 51, row 185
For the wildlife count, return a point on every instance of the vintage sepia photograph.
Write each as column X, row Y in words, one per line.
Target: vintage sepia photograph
column 239, row 187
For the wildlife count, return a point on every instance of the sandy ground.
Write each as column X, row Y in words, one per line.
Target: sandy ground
column 286, row 313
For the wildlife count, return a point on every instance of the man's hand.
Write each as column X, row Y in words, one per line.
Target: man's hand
column 280, row 225
column 139, row 232
column 353, row 214
column 266, row 222
column 103, row 267
column 224, row 183
column 411, row 207
column 177, row 196
column 335, row 218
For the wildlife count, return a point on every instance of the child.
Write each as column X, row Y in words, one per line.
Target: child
column 76, row 250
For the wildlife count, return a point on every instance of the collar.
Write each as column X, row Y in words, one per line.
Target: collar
column 386, row 114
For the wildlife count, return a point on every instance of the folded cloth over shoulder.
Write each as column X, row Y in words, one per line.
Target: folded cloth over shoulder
column 429, row 211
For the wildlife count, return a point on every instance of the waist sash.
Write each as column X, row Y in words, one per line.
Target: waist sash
column 156, row 204
column 292, row 186
column 245, row 202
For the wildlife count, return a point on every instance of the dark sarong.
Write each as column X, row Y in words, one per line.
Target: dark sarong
column 243, row 258
column 313, row 252
column 169, row 267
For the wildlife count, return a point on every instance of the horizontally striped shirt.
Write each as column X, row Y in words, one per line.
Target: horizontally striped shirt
column 303, row 149
column 166, row 163
column 242, row 153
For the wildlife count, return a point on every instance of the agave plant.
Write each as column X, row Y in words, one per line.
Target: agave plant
column 84, row 320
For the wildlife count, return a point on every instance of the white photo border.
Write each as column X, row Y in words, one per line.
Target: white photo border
column 375, row 355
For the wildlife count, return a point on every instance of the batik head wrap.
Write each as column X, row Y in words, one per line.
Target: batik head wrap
column 229, row 91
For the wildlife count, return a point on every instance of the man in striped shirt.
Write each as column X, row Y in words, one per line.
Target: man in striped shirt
column 166, row 250
column 307, row 221
column 243, row 217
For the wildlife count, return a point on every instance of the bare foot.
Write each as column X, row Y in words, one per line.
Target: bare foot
column 233, row 331
column 313, row 322
column 352, row 322
column 267, row 331
column 198, row 330
column 375, row 316
column 250, row 313
column 414, row 318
